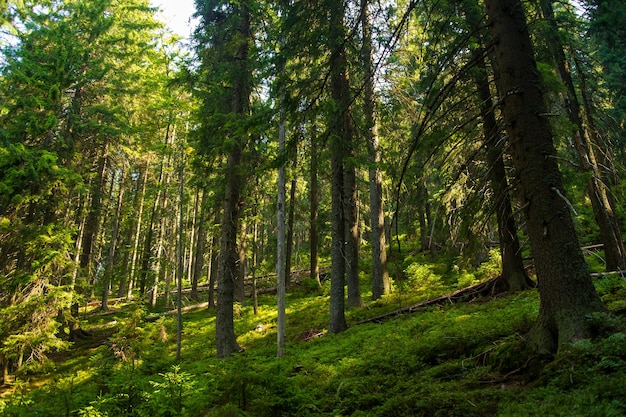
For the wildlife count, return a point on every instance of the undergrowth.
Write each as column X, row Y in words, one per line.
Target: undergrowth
column 466, row 359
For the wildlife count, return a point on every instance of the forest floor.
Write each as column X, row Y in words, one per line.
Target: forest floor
column 464, row 358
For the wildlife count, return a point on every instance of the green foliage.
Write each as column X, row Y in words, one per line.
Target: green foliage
column 167, row 396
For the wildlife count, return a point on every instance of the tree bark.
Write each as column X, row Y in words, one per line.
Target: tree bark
column 352, row 234
column 290, row 219
column 313, row 218
column 201, row 236
column 513, row 275
column 380, row 276
column 341, row 137
column 226, row 341
column 108, row 271
column 281, row 278
column 566, row 292
column 597, row 189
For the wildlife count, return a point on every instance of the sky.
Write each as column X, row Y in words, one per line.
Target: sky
column 176, row 13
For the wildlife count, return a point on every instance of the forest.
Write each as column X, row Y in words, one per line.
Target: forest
column 313, row 208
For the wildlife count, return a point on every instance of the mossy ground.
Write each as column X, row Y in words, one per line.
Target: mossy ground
column 466, row 359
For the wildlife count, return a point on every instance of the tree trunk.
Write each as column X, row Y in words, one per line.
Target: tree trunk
column 180, row 258
column 597, row 189
column 201, row 235
column 108, row 271
column 92, row 226
column 225, row 339
column 212, row 271
column 341, row 137
column 352, row 235
column 240, row 295
column 313, row 218
column 380, row 276
column 513, row 276
column 281, row 279
column 290, row 218
column 566, row 292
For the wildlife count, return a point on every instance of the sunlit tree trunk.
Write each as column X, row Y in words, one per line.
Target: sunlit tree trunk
column 110, row 262
column 201, row 235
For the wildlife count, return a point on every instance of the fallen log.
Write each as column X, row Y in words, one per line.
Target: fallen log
column 194, row 307
column 473, row 291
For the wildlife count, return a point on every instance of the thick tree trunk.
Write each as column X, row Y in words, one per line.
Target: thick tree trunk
column 514, row 276
column 380, row 276
column 566, row 292
column 228, row 271
column 225, row 339
column 597, row 189
column 341, row 138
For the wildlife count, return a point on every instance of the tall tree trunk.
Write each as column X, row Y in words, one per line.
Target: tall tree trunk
column 352, row 234
column 213, row 270
column 423, row 215
column 225, row 339
column 281, row 271
column 597, row 189
column 108, row 271
column 92, row 226
column 180, row 257
column 290, row 218
column 567, row 294
column 201, row 235
column 513, row 276
column 242, row 247
column 139, row 205
column 380, row 276
column 313, row 236
column 341, row 137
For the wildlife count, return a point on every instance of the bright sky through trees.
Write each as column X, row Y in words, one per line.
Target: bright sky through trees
column 177, row 15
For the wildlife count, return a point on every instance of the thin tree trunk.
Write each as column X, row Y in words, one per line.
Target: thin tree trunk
column 140, row 206
column 313, row 219
column 290, row 218
column 179, row 256
column 213, row 270
column 198, row 264
column 380, row 276
column 350, row 206
column 566, row 292
column 108, row 272
column 242, row 247
column 281, row 278
column 255, row 264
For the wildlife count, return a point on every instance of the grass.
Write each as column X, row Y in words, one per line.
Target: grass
column 467, row 359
